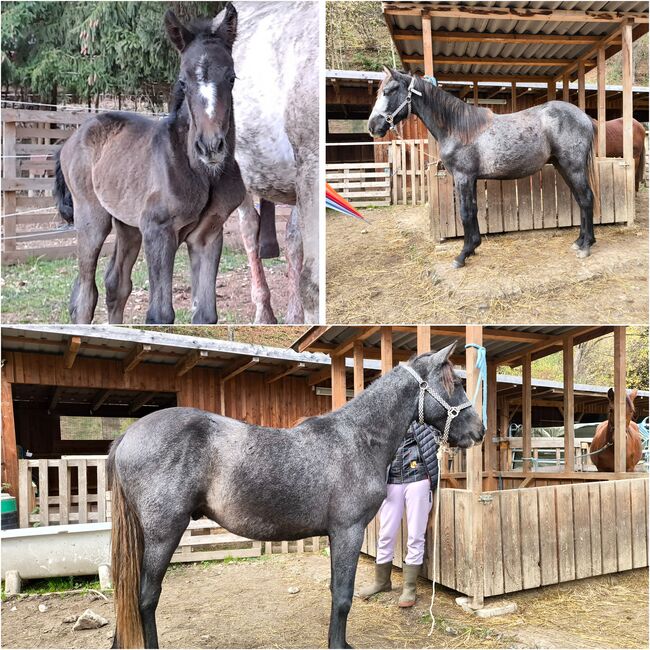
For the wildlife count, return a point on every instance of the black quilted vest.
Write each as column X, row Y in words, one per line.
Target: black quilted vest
column 416, row 457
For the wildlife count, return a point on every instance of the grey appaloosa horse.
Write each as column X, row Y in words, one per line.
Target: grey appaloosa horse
column 326, row 476
column 276, row 100
column 475, row 143
column 160, row 183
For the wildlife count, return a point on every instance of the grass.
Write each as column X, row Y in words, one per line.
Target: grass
column 50, row 585
column 38, row 290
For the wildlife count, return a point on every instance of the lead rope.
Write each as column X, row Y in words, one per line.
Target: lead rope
column 481, row 364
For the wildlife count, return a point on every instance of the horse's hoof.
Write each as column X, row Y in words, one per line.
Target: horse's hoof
column 457, row 264
column 575, row 246
column 583, row 252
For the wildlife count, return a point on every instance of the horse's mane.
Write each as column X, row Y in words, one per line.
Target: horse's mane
column 453, row 115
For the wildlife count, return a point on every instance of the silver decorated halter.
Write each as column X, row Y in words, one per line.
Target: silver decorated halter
column 389, row 117
column 452, row 411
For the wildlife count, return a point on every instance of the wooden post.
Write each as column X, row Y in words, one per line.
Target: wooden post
column 565, row 88
column 619, row 399
column 490, row 446
column 513, row 96
column 550, row 92
column 386, row 349
column 628, row 155
column 359, row 383
column 424, row 338
column 475, row 89
column 9, row 172
column 526, row 411
column 569, row 406
column 582, row 104
column 504, row 452
column 600, row 68
column 338, row 381
column 474, row 457
column 9, row 451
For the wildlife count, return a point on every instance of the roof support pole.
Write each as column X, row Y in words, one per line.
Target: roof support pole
column 359, row 382
column 474, row 456
column 526, row 412
column 513, row 95
column 565, row 87
column 9, row 449
column 569, row 404
column 339, row 397
column 475, row 92
column 626, row 52
column 600, row 68
column 489, row 444
column 619, row 399
column 550, row 91
column 581, row 86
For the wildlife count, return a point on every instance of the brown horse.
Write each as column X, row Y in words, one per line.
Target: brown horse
column 603, row 441
column 614, row 144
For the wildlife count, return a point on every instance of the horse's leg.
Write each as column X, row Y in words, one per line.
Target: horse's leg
column 118, row 273
column 204, row 244
column 160, row 246
column 466, row 193
column 345, row 545
column 93, row 226
column 578, row 183
column 249, row 225
column 293, row 244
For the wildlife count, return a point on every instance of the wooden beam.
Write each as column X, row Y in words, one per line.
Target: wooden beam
column 551, row 92
column 237, row 368
column 514, row 14
column 135, row 357
column 101, row 399
column 499, row 78
column 475, row 93
column 362, row 334
column 565, row 88
column 319, row 376
column 513, row 97
column 71, row 351
column 602, row 106
column 423, row 338
column 441, row 59
column 187, row 362
column 581, row 86
column 569, row 404
column 359, row 378
column 283, row 372
column 512, row 37
column 386, row 349
column 526, row 411
column 314, row 334
column 140, row 401
column 628, row 154
column 54, row 400
column 490, row 447
column 620, row 399
column 9, row 448
column 339, row 393
column 489, row 333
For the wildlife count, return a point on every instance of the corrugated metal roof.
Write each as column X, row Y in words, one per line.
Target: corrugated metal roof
column 489, row 49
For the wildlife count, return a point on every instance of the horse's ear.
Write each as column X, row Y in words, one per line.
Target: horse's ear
column 442, row 356
column 224, row 25
column 394, row 74
column 610, row 394
column 386, row 71
column 633, row 394
column 178, row 34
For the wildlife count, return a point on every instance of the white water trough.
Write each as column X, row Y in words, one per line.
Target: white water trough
column 56, row 551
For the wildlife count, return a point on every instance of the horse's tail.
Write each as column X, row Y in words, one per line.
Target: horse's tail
column 62, row 196
column 126, row 561
column 640, row 165
column 591, row 170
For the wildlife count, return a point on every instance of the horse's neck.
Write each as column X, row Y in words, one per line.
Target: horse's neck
column 610, row 427
column 381, row 414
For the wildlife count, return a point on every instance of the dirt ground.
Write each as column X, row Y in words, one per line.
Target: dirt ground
column 390, row 271
column 247, row 605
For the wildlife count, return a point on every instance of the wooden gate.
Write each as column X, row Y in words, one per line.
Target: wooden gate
column 538, row 202
column 535, row 536
column 362, row 183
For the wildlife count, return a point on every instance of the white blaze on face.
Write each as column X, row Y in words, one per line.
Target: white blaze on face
column 380, row 107
column 207, row 90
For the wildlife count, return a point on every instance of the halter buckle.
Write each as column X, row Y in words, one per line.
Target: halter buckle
column 453, row 411
column 424, row 385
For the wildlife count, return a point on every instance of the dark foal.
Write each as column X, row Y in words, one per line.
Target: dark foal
column 160, row 183
column 325, row 476
column 474, row 143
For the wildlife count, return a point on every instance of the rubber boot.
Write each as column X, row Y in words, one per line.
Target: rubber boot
column 410, row 573
column 381, row 583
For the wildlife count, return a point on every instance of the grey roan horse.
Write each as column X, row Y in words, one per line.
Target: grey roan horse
column 326, row 476
column 475, row 143
column 159, row 182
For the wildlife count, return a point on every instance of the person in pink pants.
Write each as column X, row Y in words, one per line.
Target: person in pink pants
column 412, row 476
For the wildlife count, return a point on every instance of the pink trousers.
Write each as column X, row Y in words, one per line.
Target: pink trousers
column 416, row 497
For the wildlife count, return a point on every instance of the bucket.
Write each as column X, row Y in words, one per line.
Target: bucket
column 9, row 512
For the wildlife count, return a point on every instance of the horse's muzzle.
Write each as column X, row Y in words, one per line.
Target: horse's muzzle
column 377, row 126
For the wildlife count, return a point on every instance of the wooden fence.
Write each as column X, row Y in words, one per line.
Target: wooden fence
column 396, row 175
column 536, row 536
column 540, row 201
column 74, row 490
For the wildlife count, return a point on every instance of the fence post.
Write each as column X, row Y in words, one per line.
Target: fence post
column 9, row 167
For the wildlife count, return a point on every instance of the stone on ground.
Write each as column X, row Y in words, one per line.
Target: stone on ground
column 89, row 621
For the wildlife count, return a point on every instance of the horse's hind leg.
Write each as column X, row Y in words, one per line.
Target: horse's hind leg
column 293, row 239
column 466, row 193
column 118, row 273
column 249, row 226
column 93, row 226
column 578, row 183
column 345, row 545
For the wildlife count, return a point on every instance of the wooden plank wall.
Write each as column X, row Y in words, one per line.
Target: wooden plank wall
column 361, row 183
column 540, row 201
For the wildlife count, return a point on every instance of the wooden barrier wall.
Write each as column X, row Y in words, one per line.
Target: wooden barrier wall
column 540, row 201
column 536, row 536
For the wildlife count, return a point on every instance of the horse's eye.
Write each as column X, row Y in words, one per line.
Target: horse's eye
column 231, row 79
column 182, row 84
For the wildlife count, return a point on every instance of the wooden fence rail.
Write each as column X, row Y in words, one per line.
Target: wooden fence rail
column 74, row 490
